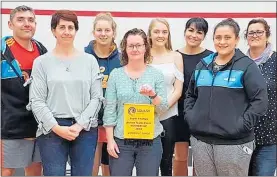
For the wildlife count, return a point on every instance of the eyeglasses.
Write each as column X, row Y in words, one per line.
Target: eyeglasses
column 138, row 47
column 253, row 33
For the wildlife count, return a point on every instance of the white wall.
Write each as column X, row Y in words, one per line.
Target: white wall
column 177, row 25
column 84, row 35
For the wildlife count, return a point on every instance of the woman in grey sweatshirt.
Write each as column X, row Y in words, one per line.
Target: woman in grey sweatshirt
column 65, row 97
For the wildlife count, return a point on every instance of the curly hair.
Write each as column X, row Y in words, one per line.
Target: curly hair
column 123, row 45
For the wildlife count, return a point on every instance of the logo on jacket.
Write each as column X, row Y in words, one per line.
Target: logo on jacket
column 102, row 69
column 105, row 78
column 232, row 79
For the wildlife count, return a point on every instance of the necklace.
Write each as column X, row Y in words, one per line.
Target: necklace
column 66, row 64
column 66, row 61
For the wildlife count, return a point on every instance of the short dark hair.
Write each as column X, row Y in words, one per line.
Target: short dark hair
column 261, row 21
column 65, row 15
column 231, row 23
column 22, row 8
column 200, row 24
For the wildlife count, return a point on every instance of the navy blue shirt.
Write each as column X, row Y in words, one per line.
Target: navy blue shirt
column 106, row 65
column 265, row 130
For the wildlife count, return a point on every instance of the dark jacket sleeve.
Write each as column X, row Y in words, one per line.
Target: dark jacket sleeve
column 191, row 95
column 256, row 90
column 41, row 47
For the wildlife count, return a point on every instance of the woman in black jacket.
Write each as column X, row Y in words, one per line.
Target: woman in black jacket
column 263, row 162
column 226, row 96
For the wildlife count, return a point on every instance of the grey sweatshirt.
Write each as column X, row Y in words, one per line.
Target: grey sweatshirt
column 65, row 88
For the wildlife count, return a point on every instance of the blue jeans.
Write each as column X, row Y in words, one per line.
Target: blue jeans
column 55, row 150
column 146, row 159
column 263, row 162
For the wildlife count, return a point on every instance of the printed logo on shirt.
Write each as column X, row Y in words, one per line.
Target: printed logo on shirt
column 102, row 69
column 232, row 79
column 6, row 70
column 105, row 78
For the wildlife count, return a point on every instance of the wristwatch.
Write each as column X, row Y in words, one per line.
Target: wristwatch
column 152, row 97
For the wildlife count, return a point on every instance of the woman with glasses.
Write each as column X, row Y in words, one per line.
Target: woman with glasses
column 170, row 63
column 263, row 162
column 226, row 96
column 134, row 97
column 104, row 49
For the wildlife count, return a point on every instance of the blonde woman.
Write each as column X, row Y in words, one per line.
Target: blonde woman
column 104, row 49
column 170, row 63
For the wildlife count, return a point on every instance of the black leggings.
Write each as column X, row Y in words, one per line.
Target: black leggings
column 168, row 142
column 105, row 155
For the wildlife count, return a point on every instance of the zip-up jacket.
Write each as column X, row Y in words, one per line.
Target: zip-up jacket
column 223, row 107
column 16, row 121
column 106, row 65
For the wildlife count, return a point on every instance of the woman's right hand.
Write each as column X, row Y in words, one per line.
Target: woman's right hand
column 64, row 132
column 112, row 148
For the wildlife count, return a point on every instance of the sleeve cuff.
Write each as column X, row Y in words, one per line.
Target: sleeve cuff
column 87, row 123
column 46, row 127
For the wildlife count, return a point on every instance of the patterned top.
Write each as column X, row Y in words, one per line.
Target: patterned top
column 122, row 89
column 265, row 130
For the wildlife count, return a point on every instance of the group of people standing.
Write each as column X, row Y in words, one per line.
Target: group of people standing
column 70, row 103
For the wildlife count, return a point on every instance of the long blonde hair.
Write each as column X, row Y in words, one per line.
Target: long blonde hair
column 168, row 45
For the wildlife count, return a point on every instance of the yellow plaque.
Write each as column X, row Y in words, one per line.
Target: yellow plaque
column 138, row 121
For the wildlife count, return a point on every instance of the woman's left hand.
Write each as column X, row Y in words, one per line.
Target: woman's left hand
column 76, row 128
column 147, row 90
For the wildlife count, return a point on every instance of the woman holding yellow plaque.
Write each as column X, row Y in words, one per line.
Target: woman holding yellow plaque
column 171, row 65
column 135, row 95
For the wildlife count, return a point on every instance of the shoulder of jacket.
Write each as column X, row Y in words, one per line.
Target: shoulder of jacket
column 5, row 41
column 42, row 49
